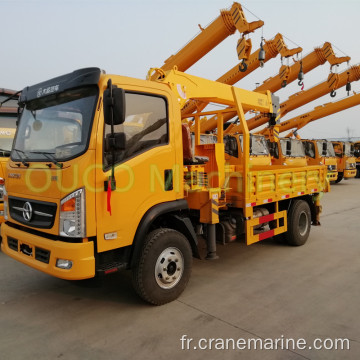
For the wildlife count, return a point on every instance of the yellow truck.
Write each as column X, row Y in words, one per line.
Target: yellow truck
column 8, row 116
column 346, row 162
column 322, row 152
column 102, row 177
column 289, row 152
column 357, row 157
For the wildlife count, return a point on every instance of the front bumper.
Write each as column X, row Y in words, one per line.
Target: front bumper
column 332, row 175
column 41, row 253
column 349, row 173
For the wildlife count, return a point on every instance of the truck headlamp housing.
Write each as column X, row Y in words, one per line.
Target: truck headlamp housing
column 72, row 215
column 350, row 166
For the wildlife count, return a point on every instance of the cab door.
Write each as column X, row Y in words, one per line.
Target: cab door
column 145, row 171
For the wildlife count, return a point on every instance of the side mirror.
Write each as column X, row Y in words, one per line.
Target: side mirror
column 115, row 142
column 114, row 106
column 324, row 149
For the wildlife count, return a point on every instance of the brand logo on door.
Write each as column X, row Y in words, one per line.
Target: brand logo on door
column 27, row 211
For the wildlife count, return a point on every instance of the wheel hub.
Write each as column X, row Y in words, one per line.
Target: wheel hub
column 303, row 223
column 169, row 268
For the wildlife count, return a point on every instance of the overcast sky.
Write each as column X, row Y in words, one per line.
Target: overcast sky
column 42, row 39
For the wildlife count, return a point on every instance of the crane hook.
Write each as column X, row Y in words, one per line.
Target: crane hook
column 301, row 75
column 243, row 66
column 261, row 56
column 348, row 84
column 283, row 84
column 333, row 93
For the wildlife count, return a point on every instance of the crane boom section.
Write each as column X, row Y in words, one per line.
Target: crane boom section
column 187, row 87
column 334, row 81
column 319, row 112
column 272, row 48
column 289, row 73
column 223, row 26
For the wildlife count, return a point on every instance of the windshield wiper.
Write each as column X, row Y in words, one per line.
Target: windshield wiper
column 50, row 156
column 22, row 159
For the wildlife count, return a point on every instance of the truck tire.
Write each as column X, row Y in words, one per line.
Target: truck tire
column 163, row 268
column 298, row 223
column 340, row 177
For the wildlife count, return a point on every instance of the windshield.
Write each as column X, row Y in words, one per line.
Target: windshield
column 349, row 149
column 292, row 147
column 329, row 148
column 258, row 145
column 7, row 133
column 56, row 126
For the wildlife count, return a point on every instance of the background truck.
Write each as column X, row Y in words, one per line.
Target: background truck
column 102, row 177
column 357, row 157
column 346, row 162
column 8, row 117
column 321, row 151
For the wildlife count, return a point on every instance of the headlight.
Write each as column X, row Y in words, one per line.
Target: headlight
column 350, row 166
column 331, row 167
column 72, row 214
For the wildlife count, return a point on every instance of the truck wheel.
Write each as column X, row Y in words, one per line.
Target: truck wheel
column 298, row 223
column 340, row 177
column 163, row 268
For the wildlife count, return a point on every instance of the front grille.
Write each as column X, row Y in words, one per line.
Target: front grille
column 12, row 243
column 42, row 255
column 39, row 214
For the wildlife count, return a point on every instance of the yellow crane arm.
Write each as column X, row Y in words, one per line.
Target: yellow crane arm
column 334, row 81
column 223, row 26
column 272, row 48
column 186, row 87
column 314, row 59
column 319, row 112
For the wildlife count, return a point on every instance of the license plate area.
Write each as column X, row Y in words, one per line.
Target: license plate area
column 26, row 249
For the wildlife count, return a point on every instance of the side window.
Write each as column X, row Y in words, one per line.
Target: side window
column 231, row 146
column 145, row 126
column 273, row 148
column 310, row 149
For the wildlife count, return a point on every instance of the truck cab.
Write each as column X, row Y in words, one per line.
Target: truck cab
column 259, row 152
column 8, row 117
column 357, row 157
column 346, row 162
column 288, row 152
column 322, row 152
